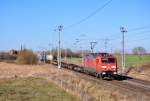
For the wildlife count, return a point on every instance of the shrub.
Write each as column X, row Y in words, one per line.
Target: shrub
column 27, row 57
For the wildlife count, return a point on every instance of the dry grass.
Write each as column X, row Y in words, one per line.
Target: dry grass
column 141, row 73
column 32, row 89
column 85, row 89
column 12, row 70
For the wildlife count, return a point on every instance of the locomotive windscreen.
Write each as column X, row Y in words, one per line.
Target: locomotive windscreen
column 108, row 60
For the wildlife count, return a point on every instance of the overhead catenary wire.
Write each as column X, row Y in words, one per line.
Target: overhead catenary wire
column 139, row 35
column 139, row 28
column 139, row 39
column 89, row 16
column 132, row 30
column 95, row 12
column 142, row 36
column 135, row 34
column 135, row 39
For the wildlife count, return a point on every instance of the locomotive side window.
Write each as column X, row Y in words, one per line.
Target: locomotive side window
column 108, row 60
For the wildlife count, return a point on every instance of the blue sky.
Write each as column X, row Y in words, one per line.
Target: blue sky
column 32, row 23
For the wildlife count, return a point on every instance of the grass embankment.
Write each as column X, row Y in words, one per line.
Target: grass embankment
column 131, row 60
column 32, row 89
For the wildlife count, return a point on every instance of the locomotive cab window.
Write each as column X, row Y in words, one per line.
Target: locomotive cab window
column 108, row 60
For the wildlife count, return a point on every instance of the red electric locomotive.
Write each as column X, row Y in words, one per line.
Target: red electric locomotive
column 102, row 65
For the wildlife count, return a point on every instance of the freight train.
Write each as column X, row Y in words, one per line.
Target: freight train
column 102, row 65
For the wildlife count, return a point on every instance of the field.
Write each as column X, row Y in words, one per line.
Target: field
column 135, row 60
column 25, row 83
column 32, row 89
column 131, row 60
column 74, row 60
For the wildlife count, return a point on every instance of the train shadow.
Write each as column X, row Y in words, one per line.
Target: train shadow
column 120, row 77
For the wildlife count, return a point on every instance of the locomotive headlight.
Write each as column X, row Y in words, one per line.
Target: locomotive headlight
column 113, row 66
column 104, row 66
column 103, row 73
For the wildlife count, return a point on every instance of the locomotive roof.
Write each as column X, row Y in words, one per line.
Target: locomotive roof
column 99, row 54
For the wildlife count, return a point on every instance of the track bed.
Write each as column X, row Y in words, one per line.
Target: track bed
column 130, row 88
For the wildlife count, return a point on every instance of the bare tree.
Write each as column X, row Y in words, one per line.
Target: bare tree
column 139, row 51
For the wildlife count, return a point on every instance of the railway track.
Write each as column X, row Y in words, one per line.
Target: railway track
column 138, row 82
column 130, row 86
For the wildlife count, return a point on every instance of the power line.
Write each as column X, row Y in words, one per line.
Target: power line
column 136, row 37
column 132, row 30
column 140, row 34
column 90, row 15
column 139, row 28
column 139, row 40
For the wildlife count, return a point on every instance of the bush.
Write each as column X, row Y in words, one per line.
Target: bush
column 27, row 57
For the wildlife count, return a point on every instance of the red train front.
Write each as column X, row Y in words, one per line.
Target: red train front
column 100, row 64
